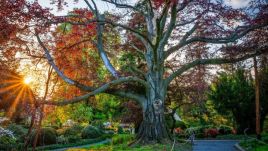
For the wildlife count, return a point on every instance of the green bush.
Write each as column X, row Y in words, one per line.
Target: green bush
column 75, row 130
column 122, row 138
column 61, row 131
column 265, row 139
column 91, row 132
column 98, row 124
column 47, row 136
column 73, row 138
column 62, row 140
column 180, row 124
column 224, row 129
column 19, row 131
column 120, row 130
column 199, row 131
column 109, row 132
column 11, row 147
column 7, row 140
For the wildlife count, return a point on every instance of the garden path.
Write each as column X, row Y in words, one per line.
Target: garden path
column 214, row 145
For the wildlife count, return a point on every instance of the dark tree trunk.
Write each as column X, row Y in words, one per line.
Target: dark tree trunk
column 153, row 128
column 28, row 136
column 257, row 99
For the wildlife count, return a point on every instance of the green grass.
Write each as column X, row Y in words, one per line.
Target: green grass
column 125, row 147
column 254, row 145
column 120, row 143
column 262, row 148
column 82, row 142
column 232, row 137
column 56, row 146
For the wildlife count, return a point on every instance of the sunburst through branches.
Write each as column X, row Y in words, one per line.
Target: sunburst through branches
column 15, row 92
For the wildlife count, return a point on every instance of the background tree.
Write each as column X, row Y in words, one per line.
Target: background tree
column 235, row 94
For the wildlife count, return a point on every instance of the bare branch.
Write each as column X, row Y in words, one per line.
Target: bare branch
column 120, row 5
column 239, row 32
column 232, row 38
column 183, row 5
column 181, row 43
column 213, row 61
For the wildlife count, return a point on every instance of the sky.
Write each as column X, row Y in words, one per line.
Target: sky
column 103, row 6
column 237, row 3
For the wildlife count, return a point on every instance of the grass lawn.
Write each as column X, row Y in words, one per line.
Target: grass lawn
column 125, row 147
column 254, row 145
column 120, row 143
column 262, row 148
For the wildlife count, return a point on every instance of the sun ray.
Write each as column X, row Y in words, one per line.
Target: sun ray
column 13, row 93
column 23, row 98
column 9, row 87
column 12, row 109
column 10, row 81
column 30, row 95
column 13, row 76
column 16, row 89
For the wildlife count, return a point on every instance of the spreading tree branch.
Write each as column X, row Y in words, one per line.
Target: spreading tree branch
column 238, row 33
column 102, row 89
column 99, row 43
column 213, row 61
column 57, row 70
column 120, row 5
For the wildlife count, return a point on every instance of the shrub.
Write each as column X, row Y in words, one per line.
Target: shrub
column 7, row 140
column 47, row 136
column 91, row 132
column 178, row 130
column 98, row 124
column 73, row 138
column 75, row 130
column 61, row 131
column 212, row 132
column 180, row 124
column 264, row 137
column 122, row 138
column 62, row 140
column 224, row 129
column 6, row 137
column 19, row 131
column 120, row 130
column 109, row 132
column 199, row 131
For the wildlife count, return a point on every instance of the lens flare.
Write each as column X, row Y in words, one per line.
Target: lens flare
column 27, row 80
column 15, row 89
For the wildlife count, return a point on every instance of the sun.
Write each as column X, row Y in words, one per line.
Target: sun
column 27, row 80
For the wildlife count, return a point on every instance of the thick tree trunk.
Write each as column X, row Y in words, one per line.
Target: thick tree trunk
column 153, row 128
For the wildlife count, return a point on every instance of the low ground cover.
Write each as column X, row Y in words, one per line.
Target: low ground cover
column 121, row 143
column 251, row 144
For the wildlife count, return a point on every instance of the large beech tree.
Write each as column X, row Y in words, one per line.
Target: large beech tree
column 165, row 32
